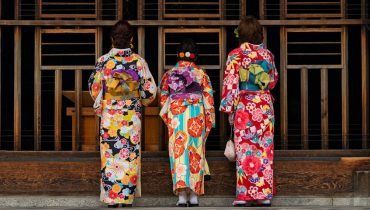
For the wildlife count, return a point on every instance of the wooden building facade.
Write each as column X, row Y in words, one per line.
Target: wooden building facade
column 48, row 50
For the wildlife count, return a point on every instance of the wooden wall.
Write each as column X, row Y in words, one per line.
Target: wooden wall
column 78, row 173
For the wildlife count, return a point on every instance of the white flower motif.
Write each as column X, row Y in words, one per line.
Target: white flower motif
column 187, row 54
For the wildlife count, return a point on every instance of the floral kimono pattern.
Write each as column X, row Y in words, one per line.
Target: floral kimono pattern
column 186, row 97
column 250, row 74
column 120, row 85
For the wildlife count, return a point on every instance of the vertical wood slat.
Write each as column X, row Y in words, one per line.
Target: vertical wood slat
column 304, row 108
column 223, row 57
column 344, row 82
column 343, row 8
column 98, row 9
column 161, row 57
column 365, row 79
column 119, row 9
column 324, row 109
column 283, row 89
column 0, row 81
column 365, row 86
column 262, row 9
column 37, row 91
column 221, row 8
column 160, row 9
column 17, row 88
column 78, row 91
column 58, row 110
column 243, row 7
column 283, row 4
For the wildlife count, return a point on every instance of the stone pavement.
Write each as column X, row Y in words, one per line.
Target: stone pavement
column 168, row 202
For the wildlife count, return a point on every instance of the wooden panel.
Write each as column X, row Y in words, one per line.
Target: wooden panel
column 324, row 109
column 37, row 91
column 283, row 89
column 304, row 107
column 40, row 174
column 365, row 86
column 313, row 9
column 192, row 9
column 58, row 111
column 17, row 88
column 345, row 97
column 67, row 9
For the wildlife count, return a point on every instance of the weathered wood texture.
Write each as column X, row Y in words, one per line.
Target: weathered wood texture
column 74, row 173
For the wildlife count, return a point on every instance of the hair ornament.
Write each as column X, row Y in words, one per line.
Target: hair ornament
column 236, row 32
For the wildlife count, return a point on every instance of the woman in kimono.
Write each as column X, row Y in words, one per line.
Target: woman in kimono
column 249, row 76
column 186, row 97
column 120, row 85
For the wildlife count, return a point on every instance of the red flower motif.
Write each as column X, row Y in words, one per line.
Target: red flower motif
column 251, row 165
column 180, row 184
column 112, row 194
column 180, row 139
column 96, row 87
column 133, row 180
column 194, row 160
column 105, row 135
column 241, row 119
column 270, row 152
column 177, row 107
column 107, row 72
column 192, row 55
column 198, row 187
column 196, row 125
column 111, row 111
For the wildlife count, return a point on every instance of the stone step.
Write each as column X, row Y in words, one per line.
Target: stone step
column 68, row 202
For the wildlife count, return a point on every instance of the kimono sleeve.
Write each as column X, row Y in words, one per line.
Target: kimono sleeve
column 148, row 88
column 164, row 95
column 208, row 101
column 230, row 88
column 96, row 79
column 273, row 74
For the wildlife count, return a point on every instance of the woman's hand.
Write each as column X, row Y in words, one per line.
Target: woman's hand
column 231, row 118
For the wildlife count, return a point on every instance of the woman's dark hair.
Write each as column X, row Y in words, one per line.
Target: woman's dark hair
column 250, row 30
column 121, row 34
column 187, row 50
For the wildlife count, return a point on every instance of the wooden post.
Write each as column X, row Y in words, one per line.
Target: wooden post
column 17, row 88
column 344, row 82
column 78, row 91
column 364, row 78
column 243, row 8
column 324, row 109
column 37, row 91
column 283, row 89
column 0, row 78
column 262, row 9
column 119, row 9
column 58, row 110
column 223, row 57
column 283, row 9
column 222, row 9
column 161, row 57
column 304, row 108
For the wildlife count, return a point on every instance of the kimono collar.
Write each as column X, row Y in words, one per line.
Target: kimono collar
column 182, row 63
column 246, row 46
column 122, row 52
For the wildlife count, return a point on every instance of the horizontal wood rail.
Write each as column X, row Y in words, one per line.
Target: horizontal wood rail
column 183, row 22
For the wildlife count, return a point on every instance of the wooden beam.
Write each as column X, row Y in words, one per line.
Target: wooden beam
column 344, row 82
column 304, row 108
column 324, row 109
column 17, row 88
column 314, row 67
column 78, row 102
column 365, row 86
column 56, row 23
column 37, row 91
column 283, row 89
column 58, row 111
